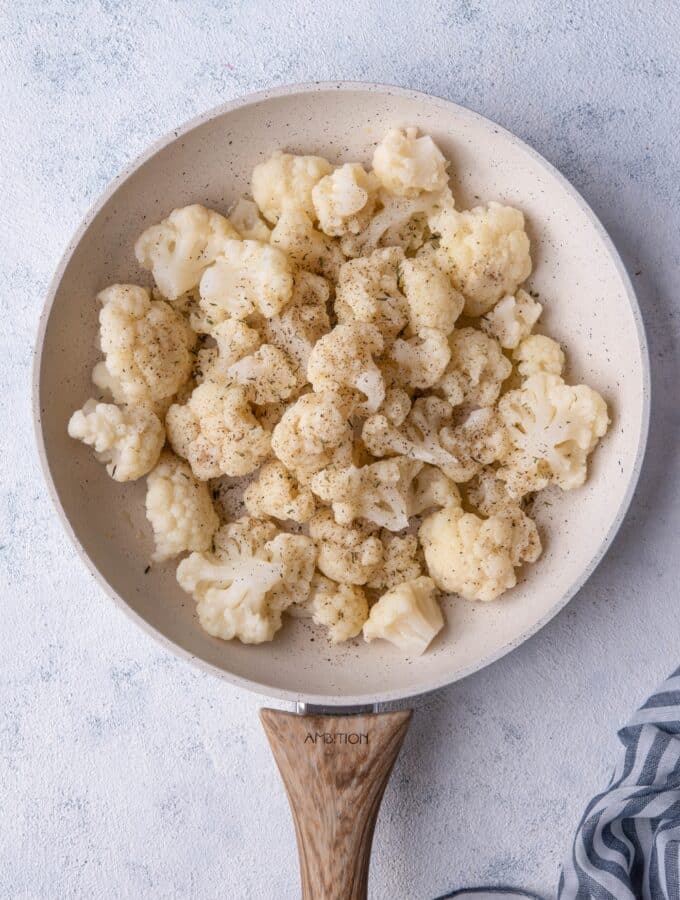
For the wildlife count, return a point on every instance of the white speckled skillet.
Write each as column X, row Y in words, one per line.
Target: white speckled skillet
column 589, row 305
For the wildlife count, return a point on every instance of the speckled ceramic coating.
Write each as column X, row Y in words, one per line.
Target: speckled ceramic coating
column 589, row 307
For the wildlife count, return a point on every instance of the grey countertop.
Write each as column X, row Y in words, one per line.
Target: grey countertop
column 124, row 772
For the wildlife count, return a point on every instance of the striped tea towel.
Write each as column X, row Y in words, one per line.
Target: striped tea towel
column 628, row 843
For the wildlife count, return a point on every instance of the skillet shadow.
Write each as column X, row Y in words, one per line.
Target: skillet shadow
column 434, row 734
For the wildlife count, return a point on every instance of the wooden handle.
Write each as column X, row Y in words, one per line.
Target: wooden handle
column 335, row 770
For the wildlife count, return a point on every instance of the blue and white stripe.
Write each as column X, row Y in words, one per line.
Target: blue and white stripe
column 628, row 843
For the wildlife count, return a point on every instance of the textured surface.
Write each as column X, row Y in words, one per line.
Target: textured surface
column 122, row 771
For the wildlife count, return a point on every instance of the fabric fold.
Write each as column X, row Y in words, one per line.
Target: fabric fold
column 627, row 845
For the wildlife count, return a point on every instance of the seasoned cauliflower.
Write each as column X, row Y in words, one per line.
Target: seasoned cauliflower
column 129, row 439
column 476, row 558
column 245, row 217
column 479, row 440
column 146, row 343
column 242, row 588
column 488, row 494
column 344, row 200
column 181, row 247
column 432, row 488
column 312, row 432
column 179, row 508
column 344, row 358
column 302, row 322
column 407, row 165
column 296, row 557
column 111, row 390
column 107, row 384
column 402, row 561
column 432, row 301
column 553, row 427
column 349, row 554
column 234, row 340
column 378, row 492
column 512, row 319
column 418, row 438
column 476, row 371
column 247, row 277
column 399, row 223
column 286, row 180
column 217, row 432
column 367, row 291
column 422, row 359
column 396, row 405
column 488, row 252
column 538, row 353
column 365, row 354
column 341, row 608
column 407, row 616
column 308, row 248
column 268, row 375
column 276, row 492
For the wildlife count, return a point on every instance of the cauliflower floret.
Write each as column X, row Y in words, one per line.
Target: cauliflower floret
column 245, row 217
column 302, row 322
column 217, row 432
column 476, row 371
column 407, row 165
column 422, row 359
column 247, row 277
column 488, row 494
column 312, row 431
column 247, row 535
column 146, row 343
column 418, row 438
column 396, row 405
column 432, row 300
column 344, row 358
column 296, row 556
column 512, row 319
column 286, row 180
column 268, row 375
column 431, row 487
column 407, row 616
column 276, row 492
column 243, row 587
column 476, row 558
column 341, row 608
column 426, row 435
column 112, row 390
column 307, row 247
column 107, row 384
column 538, row 353
column 379, row 492
column 179, row 508
column 553, row 427
column 129, row 439
column 402, row 561
column 234, row 340
column 179, row 248
column 399, row 223
column 344, row 200
column 479, row 440
column 488, row 250
column 367, row 291
column 349, row 554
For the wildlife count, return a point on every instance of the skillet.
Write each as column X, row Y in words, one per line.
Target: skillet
column 334, row 751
